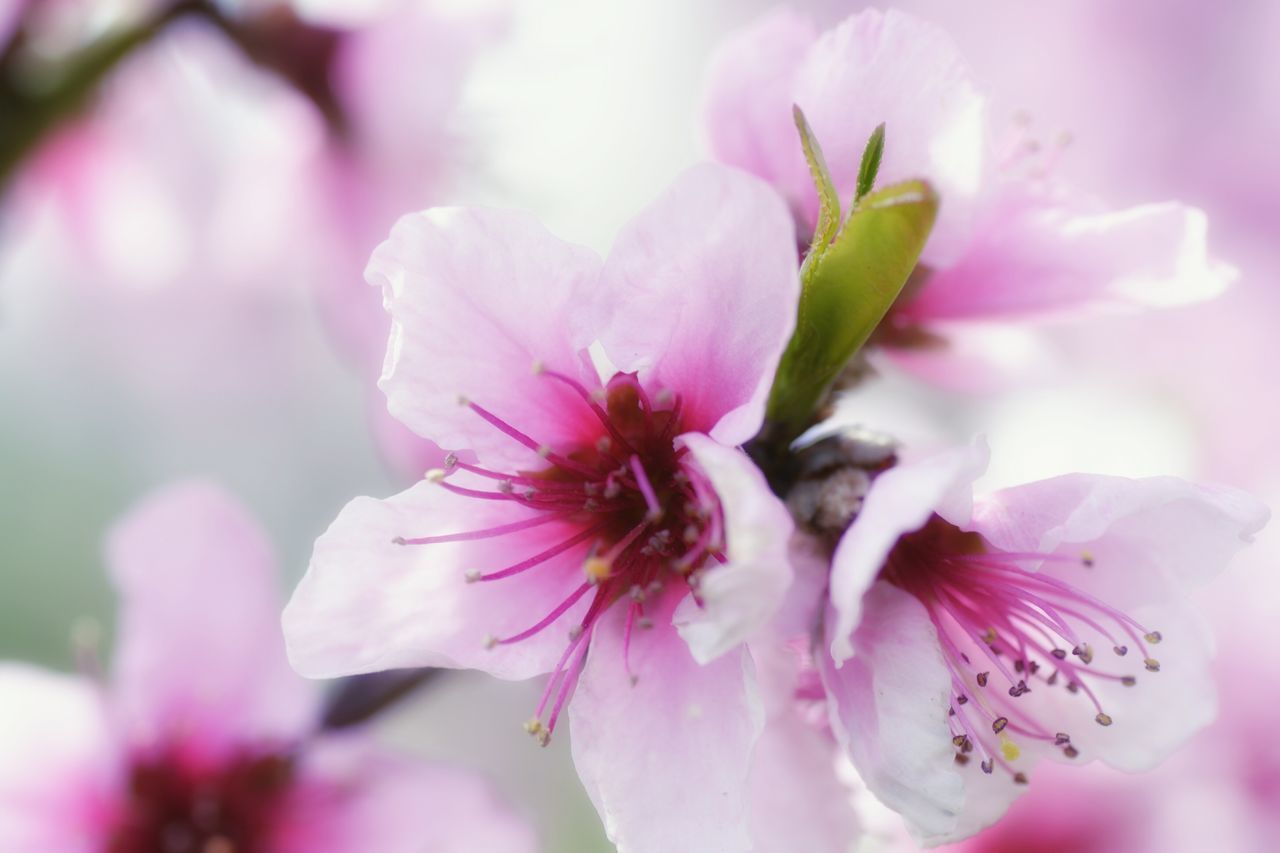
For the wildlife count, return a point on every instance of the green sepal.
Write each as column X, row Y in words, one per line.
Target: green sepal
column 870, row 165
column 847, row 287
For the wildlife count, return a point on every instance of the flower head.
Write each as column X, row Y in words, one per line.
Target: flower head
column 595, row 523
column 966, row 637
column 204, row 740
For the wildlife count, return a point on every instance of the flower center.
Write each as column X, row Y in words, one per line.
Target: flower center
column 1002, row 629
column 173, row 807
column 644, row 514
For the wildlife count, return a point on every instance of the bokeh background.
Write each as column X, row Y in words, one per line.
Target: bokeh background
column 181, row 295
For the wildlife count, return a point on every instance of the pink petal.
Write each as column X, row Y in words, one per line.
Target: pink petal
column 750, row 93
column 798, row 801
column 61, row 769
column 1037, row 253
column 889, row 709
column 478, row 298
column 900, row 500
column 199, row 647
column 357, row 797
column 700, row 291
column 893, row 68
column 367, row 603
column 1156, row 716
column 741, row 596
column 1164, row 533
column 666, row 760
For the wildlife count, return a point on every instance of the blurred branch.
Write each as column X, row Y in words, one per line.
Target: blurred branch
column 357, row 699
column 34, row 100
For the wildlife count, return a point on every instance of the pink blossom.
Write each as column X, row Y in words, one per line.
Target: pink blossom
column 607, row 508
column 203, row 738
column 967, row 636
column 205, row 198
column 1011, row 241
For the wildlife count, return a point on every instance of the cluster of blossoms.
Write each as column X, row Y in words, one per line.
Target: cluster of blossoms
column 722, row 608
column 636, row 493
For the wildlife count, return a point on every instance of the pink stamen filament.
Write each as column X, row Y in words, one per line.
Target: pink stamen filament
column 489, row 532
column 549, row 618
column 646, row 489
column 542, row 557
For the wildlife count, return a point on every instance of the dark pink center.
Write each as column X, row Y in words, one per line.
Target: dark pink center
column 643, row 513
column 1006, row 630
column 173, row 806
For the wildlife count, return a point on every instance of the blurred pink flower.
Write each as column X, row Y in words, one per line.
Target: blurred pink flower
column 208, row 199
column 608, row 503
column 1010, row 241
column 950, row 618
column 204, row 739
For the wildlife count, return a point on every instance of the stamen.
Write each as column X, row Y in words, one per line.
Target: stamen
column 538, row 559
column 548, row 619
column 486, row 533
column 646, row 489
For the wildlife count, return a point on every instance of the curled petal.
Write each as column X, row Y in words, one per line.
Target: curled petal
column 741, row 596
column 900, row 500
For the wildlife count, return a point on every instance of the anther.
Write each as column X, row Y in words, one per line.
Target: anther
column 644, row 622
column 1070, row 751
column 575, row 632
column 1121, row 650
column 1128, row 681
column 506, row 487
column 603, row 444
column 1060, row 654
column 636, row 592
column 962, row 699
column 490, row 641
column 543, row 451
column 982, row 678
column 537, row 368
column 1061, row 739
column 398, row 540
column 1153, row 638
column 463, row 401
column 1152, row 665
column 961, row 759
column 989, row 636
column 1103, row 719
column 450, row 461
column 597, row 569
column 1084, row 652
column 435, row 475
column 1019, row 689
column 1020, row 778
column 998, row 724
column 472, row 575
column 959, row 741
column 988, row 766
column 1086, row 558
column 664, row 397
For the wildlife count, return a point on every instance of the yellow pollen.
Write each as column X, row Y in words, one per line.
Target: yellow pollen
column 1009, row 749
column 435, row 475
column 597, row 569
